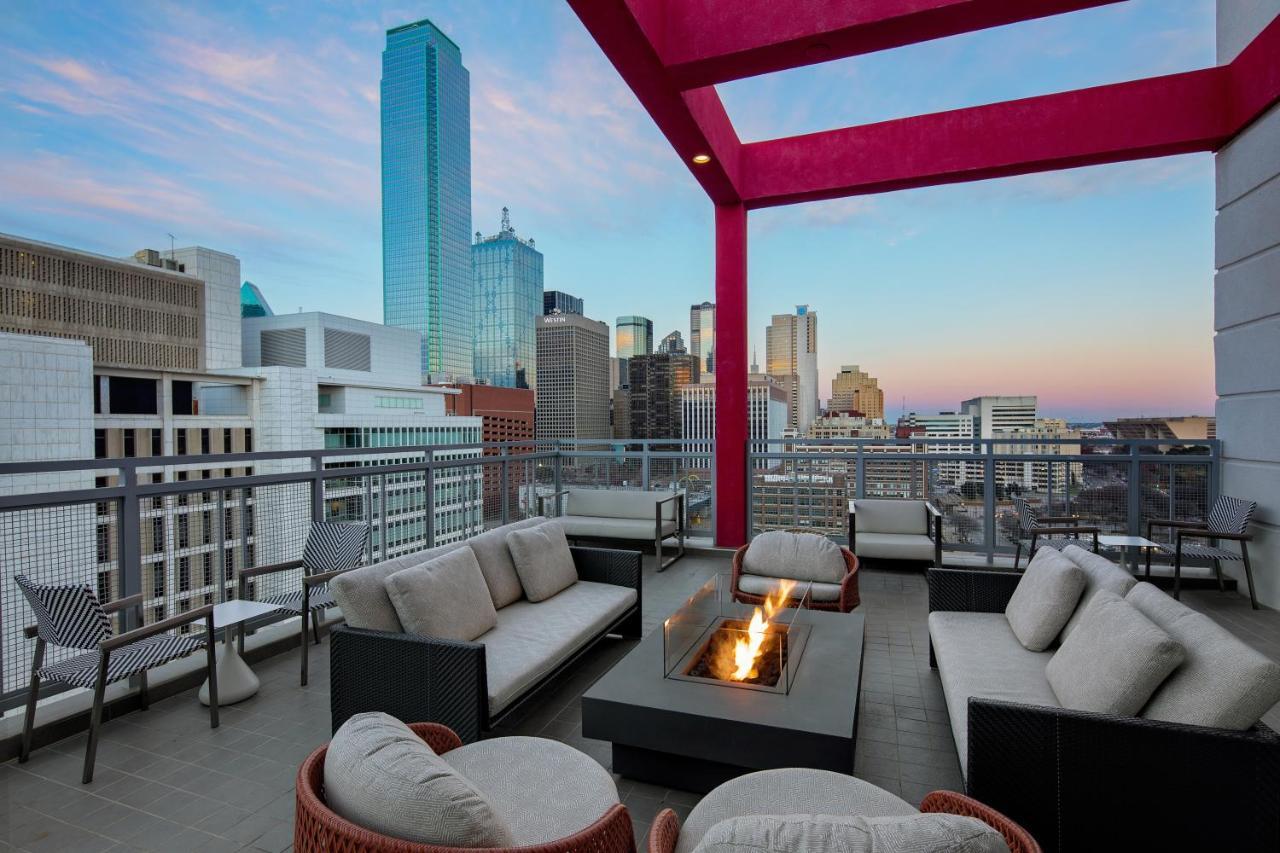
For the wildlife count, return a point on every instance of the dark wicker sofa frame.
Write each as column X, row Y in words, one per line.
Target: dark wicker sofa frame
column 1084, row 781
column 847, row 601
column 318, row 829
column 415, row 677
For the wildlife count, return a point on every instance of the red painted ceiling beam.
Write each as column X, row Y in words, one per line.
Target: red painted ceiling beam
column 1155, row 117
column 703, row 42
column 694, row 122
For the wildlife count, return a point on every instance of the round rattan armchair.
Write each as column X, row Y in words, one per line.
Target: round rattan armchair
column 665, row 831
column 317, row 829
column 847, row 601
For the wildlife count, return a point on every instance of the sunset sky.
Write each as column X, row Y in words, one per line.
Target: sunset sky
column 253, row 129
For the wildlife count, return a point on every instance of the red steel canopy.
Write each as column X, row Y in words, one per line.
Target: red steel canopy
column 673, row 52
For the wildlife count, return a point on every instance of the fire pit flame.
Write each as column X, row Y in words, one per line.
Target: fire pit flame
column 740, row 663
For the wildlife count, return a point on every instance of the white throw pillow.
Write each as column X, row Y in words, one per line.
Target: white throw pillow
column 1114, row 660
column 445, row 597
column 543, row 560
column 1044, row 599
column 379, row 775
column 856, row 834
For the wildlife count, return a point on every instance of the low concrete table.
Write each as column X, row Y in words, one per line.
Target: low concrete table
column 694, row 735
column 236, row 681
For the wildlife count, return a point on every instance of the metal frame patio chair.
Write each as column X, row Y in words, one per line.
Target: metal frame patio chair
column 332, row 548
column 1228, row 520
column 71, row 616
column 1054, row 531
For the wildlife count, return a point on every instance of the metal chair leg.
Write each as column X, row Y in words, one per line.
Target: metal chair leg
column 1248, row 573
column 315, row 628
column 1148, row 571
column 211, row 664
column 1017, row 555
column 95, row 718
column 1177, row 569
column 305, row 646
column 1217, row 570
column 29, row 722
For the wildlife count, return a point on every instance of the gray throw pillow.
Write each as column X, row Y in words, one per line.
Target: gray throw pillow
column 1224, row 682
column 446, row 598
column 1044, row 599
column 494, row 558
column 845, row 834
column 1114, row 661
column 543, row 560
column 379, row 775
column 799, row 556
column 1099, row 574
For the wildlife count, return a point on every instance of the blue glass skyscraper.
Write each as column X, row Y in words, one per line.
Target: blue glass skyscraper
column 508, row 287
column 426, row 196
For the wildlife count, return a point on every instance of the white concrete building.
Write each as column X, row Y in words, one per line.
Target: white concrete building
column 766, row 410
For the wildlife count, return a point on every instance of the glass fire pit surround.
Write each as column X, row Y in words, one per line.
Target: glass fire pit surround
column 715, row 640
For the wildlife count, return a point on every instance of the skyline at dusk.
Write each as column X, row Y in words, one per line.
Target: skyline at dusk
column 256, row 132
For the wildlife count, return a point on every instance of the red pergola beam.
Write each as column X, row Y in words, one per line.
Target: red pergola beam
column 703, row 42
column 1159, row 116
column 694, row 122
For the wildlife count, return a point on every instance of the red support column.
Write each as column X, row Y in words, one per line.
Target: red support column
column 731, row 375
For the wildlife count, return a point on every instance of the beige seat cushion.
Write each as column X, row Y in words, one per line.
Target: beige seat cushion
column 1044, row 599
column 494, row 558
column 890, row 516
column 809, row 833
column 757, row 585
column 789, row 791
column 979, row 656
column 1224, row 682
column 446, row 597
column 613, row 528
column 543, row 560
column 1100, row 573
column 894, row 546
column 362, row 594
column 1114, row 661
column 379, row 775
column 533, row 639
column 799, row 556
column 543, row 790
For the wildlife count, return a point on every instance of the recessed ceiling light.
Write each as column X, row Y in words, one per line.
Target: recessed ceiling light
column 702, row 159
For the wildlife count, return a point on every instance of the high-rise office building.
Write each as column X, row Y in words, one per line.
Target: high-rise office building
column 656, row 381
column 426, row 196
column 854, row 390
column 702, row 338
column 766, row 411
column 994, row 415
column 632, row 335
column 673, row 344
column 573, row 377
column 557, row 301
column 791, row 356
column 508, row 285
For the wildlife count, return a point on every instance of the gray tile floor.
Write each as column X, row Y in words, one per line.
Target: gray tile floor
column 165, row 781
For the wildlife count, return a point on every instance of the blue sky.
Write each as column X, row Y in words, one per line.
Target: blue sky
column 254, row 129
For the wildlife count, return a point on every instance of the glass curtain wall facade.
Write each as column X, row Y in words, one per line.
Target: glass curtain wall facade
column 426, row 196
column 508, row 289
column 702, row 338
column 633, row 336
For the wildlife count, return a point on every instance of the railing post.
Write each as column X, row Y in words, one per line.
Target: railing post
column 555, row 466
column 317, row 488
column 989, row 501
column 244, row 537
column 429, row 493
column 504, row 483
column 220, row 512
column 1134, row 512
column 382, row 514
column 644, row 465
column 369, row 517
column 860, row 474
column 129, row 547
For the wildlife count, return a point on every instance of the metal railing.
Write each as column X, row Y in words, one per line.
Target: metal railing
column 1118, row 484
column 179, row 528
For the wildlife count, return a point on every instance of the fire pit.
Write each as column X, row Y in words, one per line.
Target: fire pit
column 716, row 640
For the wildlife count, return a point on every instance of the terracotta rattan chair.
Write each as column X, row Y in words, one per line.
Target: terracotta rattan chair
column 664, row 834
column 847, row 601
column 317, row 829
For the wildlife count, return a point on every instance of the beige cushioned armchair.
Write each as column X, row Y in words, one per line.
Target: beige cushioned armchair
column 888, row 529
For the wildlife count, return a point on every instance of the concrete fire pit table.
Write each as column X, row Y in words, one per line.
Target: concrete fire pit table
column 695, row 734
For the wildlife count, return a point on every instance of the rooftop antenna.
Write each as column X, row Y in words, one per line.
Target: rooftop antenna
column 173, row 251
column 506, row 220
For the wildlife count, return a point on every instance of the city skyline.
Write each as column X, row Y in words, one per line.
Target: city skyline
column 268, row 147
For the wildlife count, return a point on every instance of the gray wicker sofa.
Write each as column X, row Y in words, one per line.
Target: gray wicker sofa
column 1154, row 783
column 376, row 664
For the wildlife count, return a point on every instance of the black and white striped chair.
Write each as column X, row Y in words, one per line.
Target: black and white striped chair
column 332, row 548
column 1228, row 521
column 1057, row 531
column 72, row 617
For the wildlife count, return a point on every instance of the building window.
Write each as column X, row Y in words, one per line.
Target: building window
column 157, row 534
column 99, row 444
column 184, row 530
column 184, row 575
column 180, row 439
column 104, row 543
column 204, row 441
column 157, row 579
column 248, row 441
column 157, row 443
column 207, row 568
column 226, row 440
